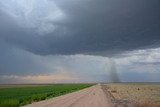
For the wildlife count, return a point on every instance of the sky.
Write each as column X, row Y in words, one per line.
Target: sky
column 54, row 41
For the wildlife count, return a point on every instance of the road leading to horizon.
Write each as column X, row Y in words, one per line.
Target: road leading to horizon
column 90, row 97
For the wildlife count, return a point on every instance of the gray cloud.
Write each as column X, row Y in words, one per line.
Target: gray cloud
column 103, row 27
column 59, row 37
column 139, row 65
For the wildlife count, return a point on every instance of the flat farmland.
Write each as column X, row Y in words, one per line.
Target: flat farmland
column 18, row 95
column 139, row 94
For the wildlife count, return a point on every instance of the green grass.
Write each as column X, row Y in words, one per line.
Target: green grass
column 18, row 96
column 10, row 103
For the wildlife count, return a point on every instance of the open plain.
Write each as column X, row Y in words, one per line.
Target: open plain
column 86, row 95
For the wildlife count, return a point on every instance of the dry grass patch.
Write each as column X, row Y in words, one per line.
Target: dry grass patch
column 139, row 94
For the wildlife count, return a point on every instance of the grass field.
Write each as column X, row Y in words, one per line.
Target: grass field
column 139, row 94
column 15, row 96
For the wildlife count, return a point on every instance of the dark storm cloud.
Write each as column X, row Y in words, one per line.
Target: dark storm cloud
column 95, row 27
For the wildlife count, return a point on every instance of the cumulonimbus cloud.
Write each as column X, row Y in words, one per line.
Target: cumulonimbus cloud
column 105, row 27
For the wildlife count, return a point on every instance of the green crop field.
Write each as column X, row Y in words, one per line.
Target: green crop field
column 18, row 96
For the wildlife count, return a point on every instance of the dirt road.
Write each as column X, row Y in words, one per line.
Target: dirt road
column 89, row 97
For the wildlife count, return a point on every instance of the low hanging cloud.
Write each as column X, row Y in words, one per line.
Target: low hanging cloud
column 143, row 56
